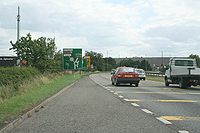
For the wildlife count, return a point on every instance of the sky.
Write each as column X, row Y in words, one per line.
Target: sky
column 115, row 28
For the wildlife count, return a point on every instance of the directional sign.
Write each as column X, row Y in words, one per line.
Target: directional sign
column 72, row 59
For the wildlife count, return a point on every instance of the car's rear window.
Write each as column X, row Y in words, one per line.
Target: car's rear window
column 127, row 69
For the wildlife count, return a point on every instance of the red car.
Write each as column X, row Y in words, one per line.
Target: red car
column 125, row 75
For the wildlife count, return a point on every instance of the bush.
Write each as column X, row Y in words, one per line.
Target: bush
column 16, row 75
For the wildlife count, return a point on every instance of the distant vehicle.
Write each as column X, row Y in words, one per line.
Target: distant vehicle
column 125, row 75
column 112, row 71
column 142, row 74
column 182, row 71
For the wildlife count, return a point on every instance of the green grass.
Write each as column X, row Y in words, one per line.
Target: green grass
column 155, row 78
column 12, row 107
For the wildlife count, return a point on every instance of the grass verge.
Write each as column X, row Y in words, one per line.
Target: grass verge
column 14, row 106
column 155, row 78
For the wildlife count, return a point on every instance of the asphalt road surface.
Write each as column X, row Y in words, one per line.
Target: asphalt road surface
column 180, row 107
column 94, row 105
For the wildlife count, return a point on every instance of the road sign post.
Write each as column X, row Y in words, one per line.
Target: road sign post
column 72, row 59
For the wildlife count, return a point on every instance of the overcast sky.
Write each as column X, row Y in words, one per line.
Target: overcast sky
column 119, row 28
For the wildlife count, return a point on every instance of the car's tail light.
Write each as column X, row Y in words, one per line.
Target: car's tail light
column 119, row 75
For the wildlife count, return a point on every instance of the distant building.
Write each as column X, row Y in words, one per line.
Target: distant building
column 8, row 61
column 153, row 61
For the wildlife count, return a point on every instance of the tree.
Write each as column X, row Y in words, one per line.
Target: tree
column 135, row 64
column 97, row 60
column 197, row 59
column 144, row 64
column 39, row 53
column 110, row 63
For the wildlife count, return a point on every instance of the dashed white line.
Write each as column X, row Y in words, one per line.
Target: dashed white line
column 116, row 93
column 163, row 121
column 121, row 96
column 111, row 91
column 183, row 131
column 127, row 100
column 135, row 104
column 147, row 111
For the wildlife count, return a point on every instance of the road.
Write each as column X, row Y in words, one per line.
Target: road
column 94, row 105
column 181, row 107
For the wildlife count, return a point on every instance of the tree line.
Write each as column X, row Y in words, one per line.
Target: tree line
column 42, row 54
column 108, row 63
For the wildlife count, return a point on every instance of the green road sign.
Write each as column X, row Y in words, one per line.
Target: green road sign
column 72, row 59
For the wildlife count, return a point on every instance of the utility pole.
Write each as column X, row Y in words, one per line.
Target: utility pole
column 162, row 67
column 145, row 65
column 107, row 62
column 18, row 21
column 162, row 59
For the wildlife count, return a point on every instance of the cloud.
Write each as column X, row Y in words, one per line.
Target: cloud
column 125, row 28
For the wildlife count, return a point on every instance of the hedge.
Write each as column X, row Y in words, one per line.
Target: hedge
column 16, row 75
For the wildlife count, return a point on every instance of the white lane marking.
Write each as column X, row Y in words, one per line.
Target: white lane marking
column 163, row 121
column 147, row 111
column 135, row 104
column 121, row 96
column 183, row 131
column 108, row 89
column 111, row 91
column 127, row 100
column 116, row 93
column 132, row 100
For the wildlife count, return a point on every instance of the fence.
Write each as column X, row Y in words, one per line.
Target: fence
column 155, row 73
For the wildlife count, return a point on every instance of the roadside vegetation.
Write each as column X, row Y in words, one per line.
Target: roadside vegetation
column 32, row 92
column 155, row 78
column 12, row 78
